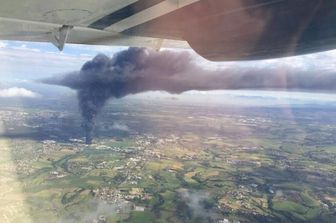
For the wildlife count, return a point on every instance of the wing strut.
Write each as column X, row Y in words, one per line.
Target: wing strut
column 158, row 44
column 59, row 36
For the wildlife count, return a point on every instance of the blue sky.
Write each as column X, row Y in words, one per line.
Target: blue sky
column 21, row 63
column 28, row 61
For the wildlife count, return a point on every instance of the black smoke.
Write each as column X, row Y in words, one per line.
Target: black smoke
column 138, row 70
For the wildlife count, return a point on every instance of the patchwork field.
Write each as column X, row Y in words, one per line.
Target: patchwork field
column 171, row 163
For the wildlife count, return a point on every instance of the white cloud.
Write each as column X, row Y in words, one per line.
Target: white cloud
column 97, row 48
column 3, row 44
column 120, row 126
column 17, row 92
column 24, row 47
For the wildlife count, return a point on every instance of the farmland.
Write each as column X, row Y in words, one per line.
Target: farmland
column 171, row 163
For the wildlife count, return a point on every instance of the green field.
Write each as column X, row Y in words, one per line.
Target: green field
column 172, row 168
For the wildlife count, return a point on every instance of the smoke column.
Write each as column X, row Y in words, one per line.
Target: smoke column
column 138, row 70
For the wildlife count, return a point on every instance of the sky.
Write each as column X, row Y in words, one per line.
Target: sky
column 22, row 63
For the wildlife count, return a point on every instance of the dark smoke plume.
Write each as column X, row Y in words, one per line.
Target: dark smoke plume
column 138, row 70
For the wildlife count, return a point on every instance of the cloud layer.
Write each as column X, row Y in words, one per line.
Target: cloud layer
column 17, row 92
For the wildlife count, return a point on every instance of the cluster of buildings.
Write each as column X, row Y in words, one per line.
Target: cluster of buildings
column 23, row 167
column 123, row 195
column 225, row 220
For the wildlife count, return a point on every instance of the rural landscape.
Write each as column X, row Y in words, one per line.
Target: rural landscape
column 168, row 160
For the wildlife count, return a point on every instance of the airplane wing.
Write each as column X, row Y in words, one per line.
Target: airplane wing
column 216, row 29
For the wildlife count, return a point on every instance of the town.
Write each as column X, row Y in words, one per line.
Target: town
column 174, row 165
